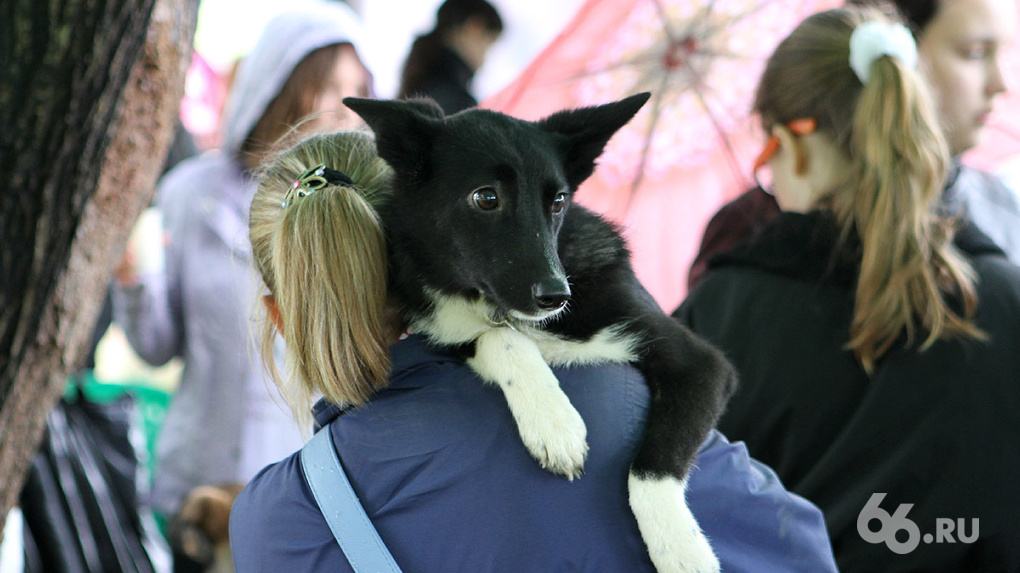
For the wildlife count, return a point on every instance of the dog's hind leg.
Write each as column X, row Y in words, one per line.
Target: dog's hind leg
column 552, row 430
column 672, row 536
column 689, row 382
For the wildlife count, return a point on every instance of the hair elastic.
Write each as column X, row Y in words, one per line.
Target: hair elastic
column 803, row 126
column 314, row 179
column 872, row 40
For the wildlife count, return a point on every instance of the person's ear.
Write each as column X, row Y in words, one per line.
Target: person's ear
column 794, row 145
column 269, row 301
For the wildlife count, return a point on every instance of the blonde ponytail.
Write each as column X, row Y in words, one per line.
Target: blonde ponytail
column 323, row 259
column 898, row 159
column 899, row 163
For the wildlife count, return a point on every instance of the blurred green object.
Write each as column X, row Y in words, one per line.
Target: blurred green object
column 150, row 406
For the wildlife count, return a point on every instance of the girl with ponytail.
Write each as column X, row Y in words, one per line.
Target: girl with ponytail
column 873, row 334
column 322, row 259
column 961, row 46
column 873, row 116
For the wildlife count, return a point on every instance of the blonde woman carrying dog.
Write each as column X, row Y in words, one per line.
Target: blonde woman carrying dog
column 432, row 452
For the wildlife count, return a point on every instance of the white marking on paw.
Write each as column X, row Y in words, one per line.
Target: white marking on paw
column 552, row 430
column 674, row 540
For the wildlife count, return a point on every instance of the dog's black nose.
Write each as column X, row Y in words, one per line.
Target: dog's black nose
column 551, row 295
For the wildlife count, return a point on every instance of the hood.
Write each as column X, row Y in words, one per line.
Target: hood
column 285, row 41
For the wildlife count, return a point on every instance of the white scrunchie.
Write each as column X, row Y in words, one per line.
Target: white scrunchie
column 872, row 40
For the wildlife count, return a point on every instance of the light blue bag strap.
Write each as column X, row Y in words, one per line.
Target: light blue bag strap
column 358, row 539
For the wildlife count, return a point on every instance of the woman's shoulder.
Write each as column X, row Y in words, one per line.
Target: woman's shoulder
column 997, row 276
column 275, row 524
column 429, row 384
column 998, row 288
column 275, row 493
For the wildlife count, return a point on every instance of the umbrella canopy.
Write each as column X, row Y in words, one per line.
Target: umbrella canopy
column 691, row 148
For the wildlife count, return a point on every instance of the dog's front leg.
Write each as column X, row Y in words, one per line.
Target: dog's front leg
column 552, row 430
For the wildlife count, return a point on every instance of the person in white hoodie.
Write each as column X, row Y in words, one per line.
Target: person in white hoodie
column 225, row 423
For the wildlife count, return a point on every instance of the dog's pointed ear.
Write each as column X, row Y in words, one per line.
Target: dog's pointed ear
column 586, row 131
column 403, row 130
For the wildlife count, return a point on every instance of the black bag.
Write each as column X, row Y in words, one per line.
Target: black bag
column 81, row 501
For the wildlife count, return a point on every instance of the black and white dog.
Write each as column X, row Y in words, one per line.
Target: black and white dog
column 490, row 254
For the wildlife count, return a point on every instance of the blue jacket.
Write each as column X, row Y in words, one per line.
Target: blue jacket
column 438, row 465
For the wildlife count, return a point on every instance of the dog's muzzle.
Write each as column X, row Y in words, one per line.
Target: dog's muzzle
column 551, row 295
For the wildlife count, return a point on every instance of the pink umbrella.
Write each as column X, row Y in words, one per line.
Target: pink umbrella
column 205, row 92
column 691, row 148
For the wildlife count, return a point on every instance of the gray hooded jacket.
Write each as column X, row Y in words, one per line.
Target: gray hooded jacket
column 225, row 421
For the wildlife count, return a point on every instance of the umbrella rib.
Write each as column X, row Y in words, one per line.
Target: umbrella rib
column 646, row 149
column 731, row 154
column 646, row 58
column 702, row 25
column 709, row 91
column 705, row 20
column 692, row 24
column 665, row 20
column 651, row 57
column 729, row 55
column 730, row 21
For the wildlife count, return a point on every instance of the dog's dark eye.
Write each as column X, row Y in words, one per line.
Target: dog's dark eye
column 559, row 202
column 485, row 198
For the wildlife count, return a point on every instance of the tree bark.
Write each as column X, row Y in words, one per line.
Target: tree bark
column 89, row 95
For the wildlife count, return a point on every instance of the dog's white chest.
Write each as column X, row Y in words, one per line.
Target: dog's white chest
column 608, row 345
column 459, row 321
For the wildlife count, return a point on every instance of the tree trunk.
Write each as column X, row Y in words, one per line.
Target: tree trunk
column 89, row 95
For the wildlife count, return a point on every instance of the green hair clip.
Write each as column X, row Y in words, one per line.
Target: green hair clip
column 314, row 179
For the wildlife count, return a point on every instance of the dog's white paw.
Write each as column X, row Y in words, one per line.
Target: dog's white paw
column 552, row 430
column 674, row 540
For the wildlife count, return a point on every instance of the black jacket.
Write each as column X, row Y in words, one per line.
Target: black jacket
column 939, row 429
column 449, row 83
column 980, row 197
